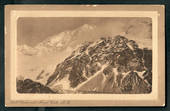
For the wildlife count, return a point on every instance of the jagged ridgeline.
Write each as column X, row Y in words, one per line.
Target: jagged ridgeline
column 110, row 65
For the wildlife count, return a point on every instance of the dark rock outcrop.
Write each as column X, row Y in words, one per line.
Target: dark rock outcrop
column 132, row 83
column 29, row 86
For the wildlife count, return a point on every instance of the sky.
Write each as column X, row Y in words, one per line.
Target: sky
column 31, row 31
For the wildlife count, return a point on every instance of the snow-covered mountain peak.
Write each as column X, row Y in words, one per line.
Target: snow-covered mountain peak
column 64, row 38
column 26, row 50
column 87, row 27
column 23, row 47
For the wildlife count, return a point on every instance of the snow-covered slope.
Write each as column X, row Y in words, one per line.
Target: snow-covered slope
column 34, row 60
column 64, row 39
column 27, row 50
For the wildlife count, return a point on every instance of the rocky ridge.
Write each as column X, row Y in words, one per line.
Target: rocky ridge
column 109, row 65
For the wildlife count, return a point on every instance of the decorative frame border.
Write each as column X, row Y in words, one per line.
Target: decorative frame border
column 156, row 12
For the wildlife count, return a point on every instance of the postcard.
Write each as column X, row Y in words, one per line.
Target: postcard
column 84, row 55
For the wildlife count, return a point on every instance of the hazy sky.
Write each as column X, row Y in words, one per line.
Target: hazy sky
column 34, row 30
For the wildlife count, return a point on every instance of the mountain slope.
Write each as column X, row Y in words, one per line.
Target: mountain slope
column 109, row 65
column 36, row 63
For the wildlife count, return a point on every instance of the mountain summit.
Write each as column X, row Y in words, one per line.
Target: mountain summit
column 58, row 42
column 109, row 65
column 64, row 39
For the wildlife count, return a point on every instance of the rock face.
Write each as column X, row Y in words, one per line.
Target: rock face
column 109, row 65
column 29, row 86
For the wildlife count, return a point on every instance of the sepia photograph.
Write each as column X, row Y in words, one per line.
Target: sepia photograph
column 65, row 57
column 84, row 55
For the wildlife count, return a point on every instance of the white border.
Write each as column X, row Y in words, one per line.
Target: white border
column 15, row 14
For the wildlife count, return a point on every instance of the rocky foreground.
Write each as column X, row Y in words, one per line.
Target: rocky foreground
column 29, row 86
